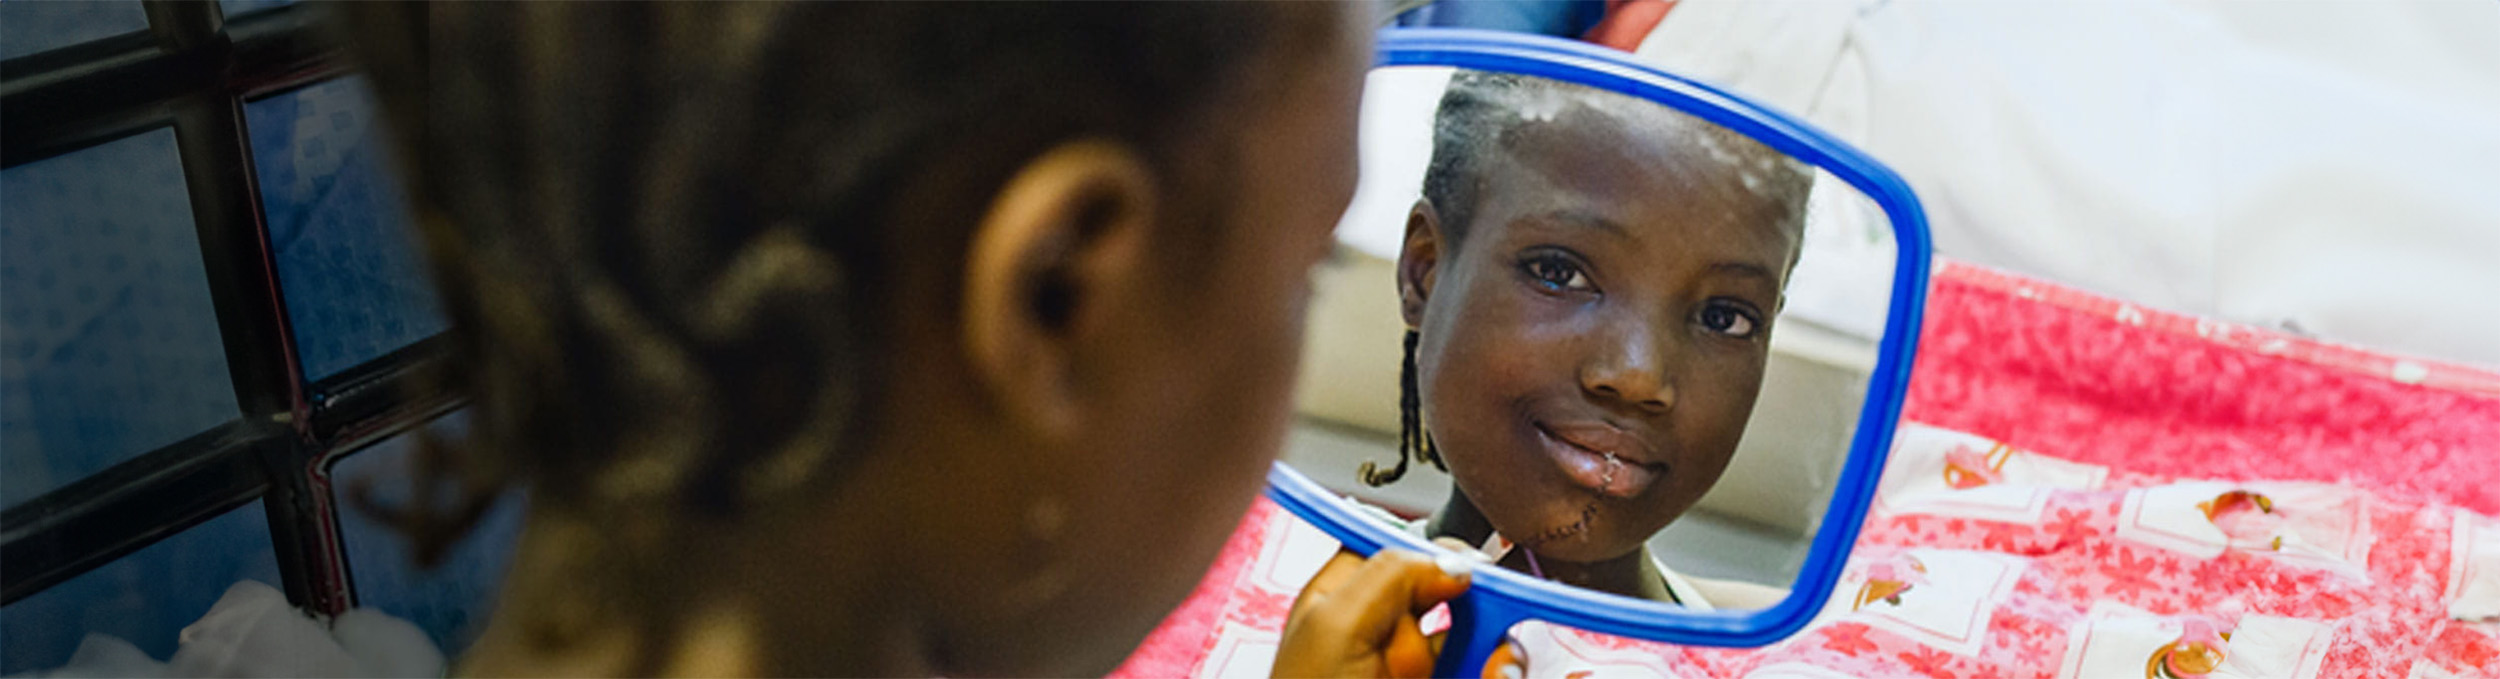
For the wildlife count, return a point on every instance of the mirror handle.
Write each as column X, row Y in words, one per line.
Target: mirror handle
column 1479, row 623
column 1479, row 619
column 1478, row 627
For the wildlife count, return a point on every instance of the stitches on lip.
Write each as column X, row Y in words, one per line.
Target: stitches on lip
column 1614, row 467
column 1605, row 439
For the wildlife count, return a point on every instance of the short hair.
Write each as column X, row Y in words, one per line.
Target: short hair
column 661, row 230
column 1481, row 109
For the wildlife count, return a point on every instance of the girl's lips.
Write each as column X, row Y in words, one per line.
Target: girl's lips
column 1608, row 474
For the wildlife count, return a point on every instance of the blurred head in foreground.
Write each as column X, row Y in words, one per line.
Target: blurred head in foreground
column 835, row 338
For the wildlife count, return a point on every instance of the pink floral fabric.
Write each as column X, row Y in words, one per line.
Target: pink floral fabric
column 2085, row 488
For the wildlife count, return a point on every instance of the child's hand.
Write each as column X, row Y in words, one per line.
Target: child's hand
column 1359, row 617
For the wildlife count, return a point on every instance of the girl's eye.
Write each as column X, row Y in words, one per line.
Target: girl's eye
column 1729, row 319
column 1555, row 273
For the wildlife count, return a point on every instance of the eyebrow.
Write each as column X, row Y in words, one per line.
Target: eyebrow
column 1582, row 218
column 1744, row 269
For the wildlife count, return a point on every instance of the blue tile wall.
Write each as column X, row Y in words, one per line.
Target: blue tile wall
column 109, row 345
column 355, row 287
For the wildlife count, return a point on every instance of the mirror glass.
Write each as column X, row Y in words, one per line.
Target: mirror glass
column 1640, row 340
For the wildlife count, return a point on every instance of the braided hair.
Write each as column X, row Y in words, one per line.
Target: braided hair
column 659, row 229
column 1414, row 442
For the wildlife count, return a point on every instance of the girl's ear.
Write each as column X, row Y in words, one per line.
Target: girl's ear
column 1419, row 261
column 1049, row 266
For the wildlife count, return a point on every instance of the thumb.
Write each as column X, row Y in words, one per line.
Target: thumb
column 1408, row 653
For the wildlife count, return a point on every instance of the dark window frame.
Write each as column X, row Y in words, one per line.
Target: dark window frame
column 192, row 70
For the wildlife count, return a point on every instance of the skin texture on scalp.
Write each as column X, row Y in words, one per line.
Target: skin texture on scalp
column 1617, row 273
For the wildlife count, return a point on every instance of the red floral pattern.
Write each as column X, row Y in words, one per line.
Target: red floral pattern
column 2158, row 398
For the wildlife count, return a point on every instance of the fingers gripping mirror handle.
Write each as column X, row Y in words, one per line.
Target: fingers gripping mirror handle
column 1479, row 624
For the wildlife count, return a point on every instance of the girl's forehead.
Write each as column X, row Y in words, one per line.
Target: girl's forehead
column 1674, row 177
column 1647, row 140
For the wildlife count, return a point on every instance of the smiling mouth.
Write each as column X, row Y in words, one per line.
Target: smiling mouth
column 1601, row 471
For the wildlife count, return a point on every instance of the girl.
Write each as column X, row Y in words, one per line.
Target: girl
column 1589, row 283
column 874, row 338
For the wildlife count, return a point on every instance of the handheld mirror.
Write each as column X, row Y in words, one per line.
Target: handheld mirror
column 1642, row 338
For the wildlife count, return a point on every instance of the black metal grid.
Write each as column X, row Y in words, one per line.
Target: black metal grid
column 192, row 70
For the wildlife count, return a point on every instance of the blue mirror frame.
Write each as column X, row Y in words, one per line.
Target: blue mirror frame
column 1500, row 598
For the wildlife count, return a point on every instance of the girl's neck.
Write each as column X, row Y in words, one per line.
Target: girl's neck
column 1634, row 574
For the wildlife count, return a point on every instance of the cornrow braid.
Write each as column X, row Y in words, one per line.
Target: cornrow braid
column 1413, row 441
column 662, row 232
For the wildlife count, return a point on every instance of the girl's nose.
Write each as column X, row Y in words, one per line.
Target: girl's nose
column 1630, row 368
